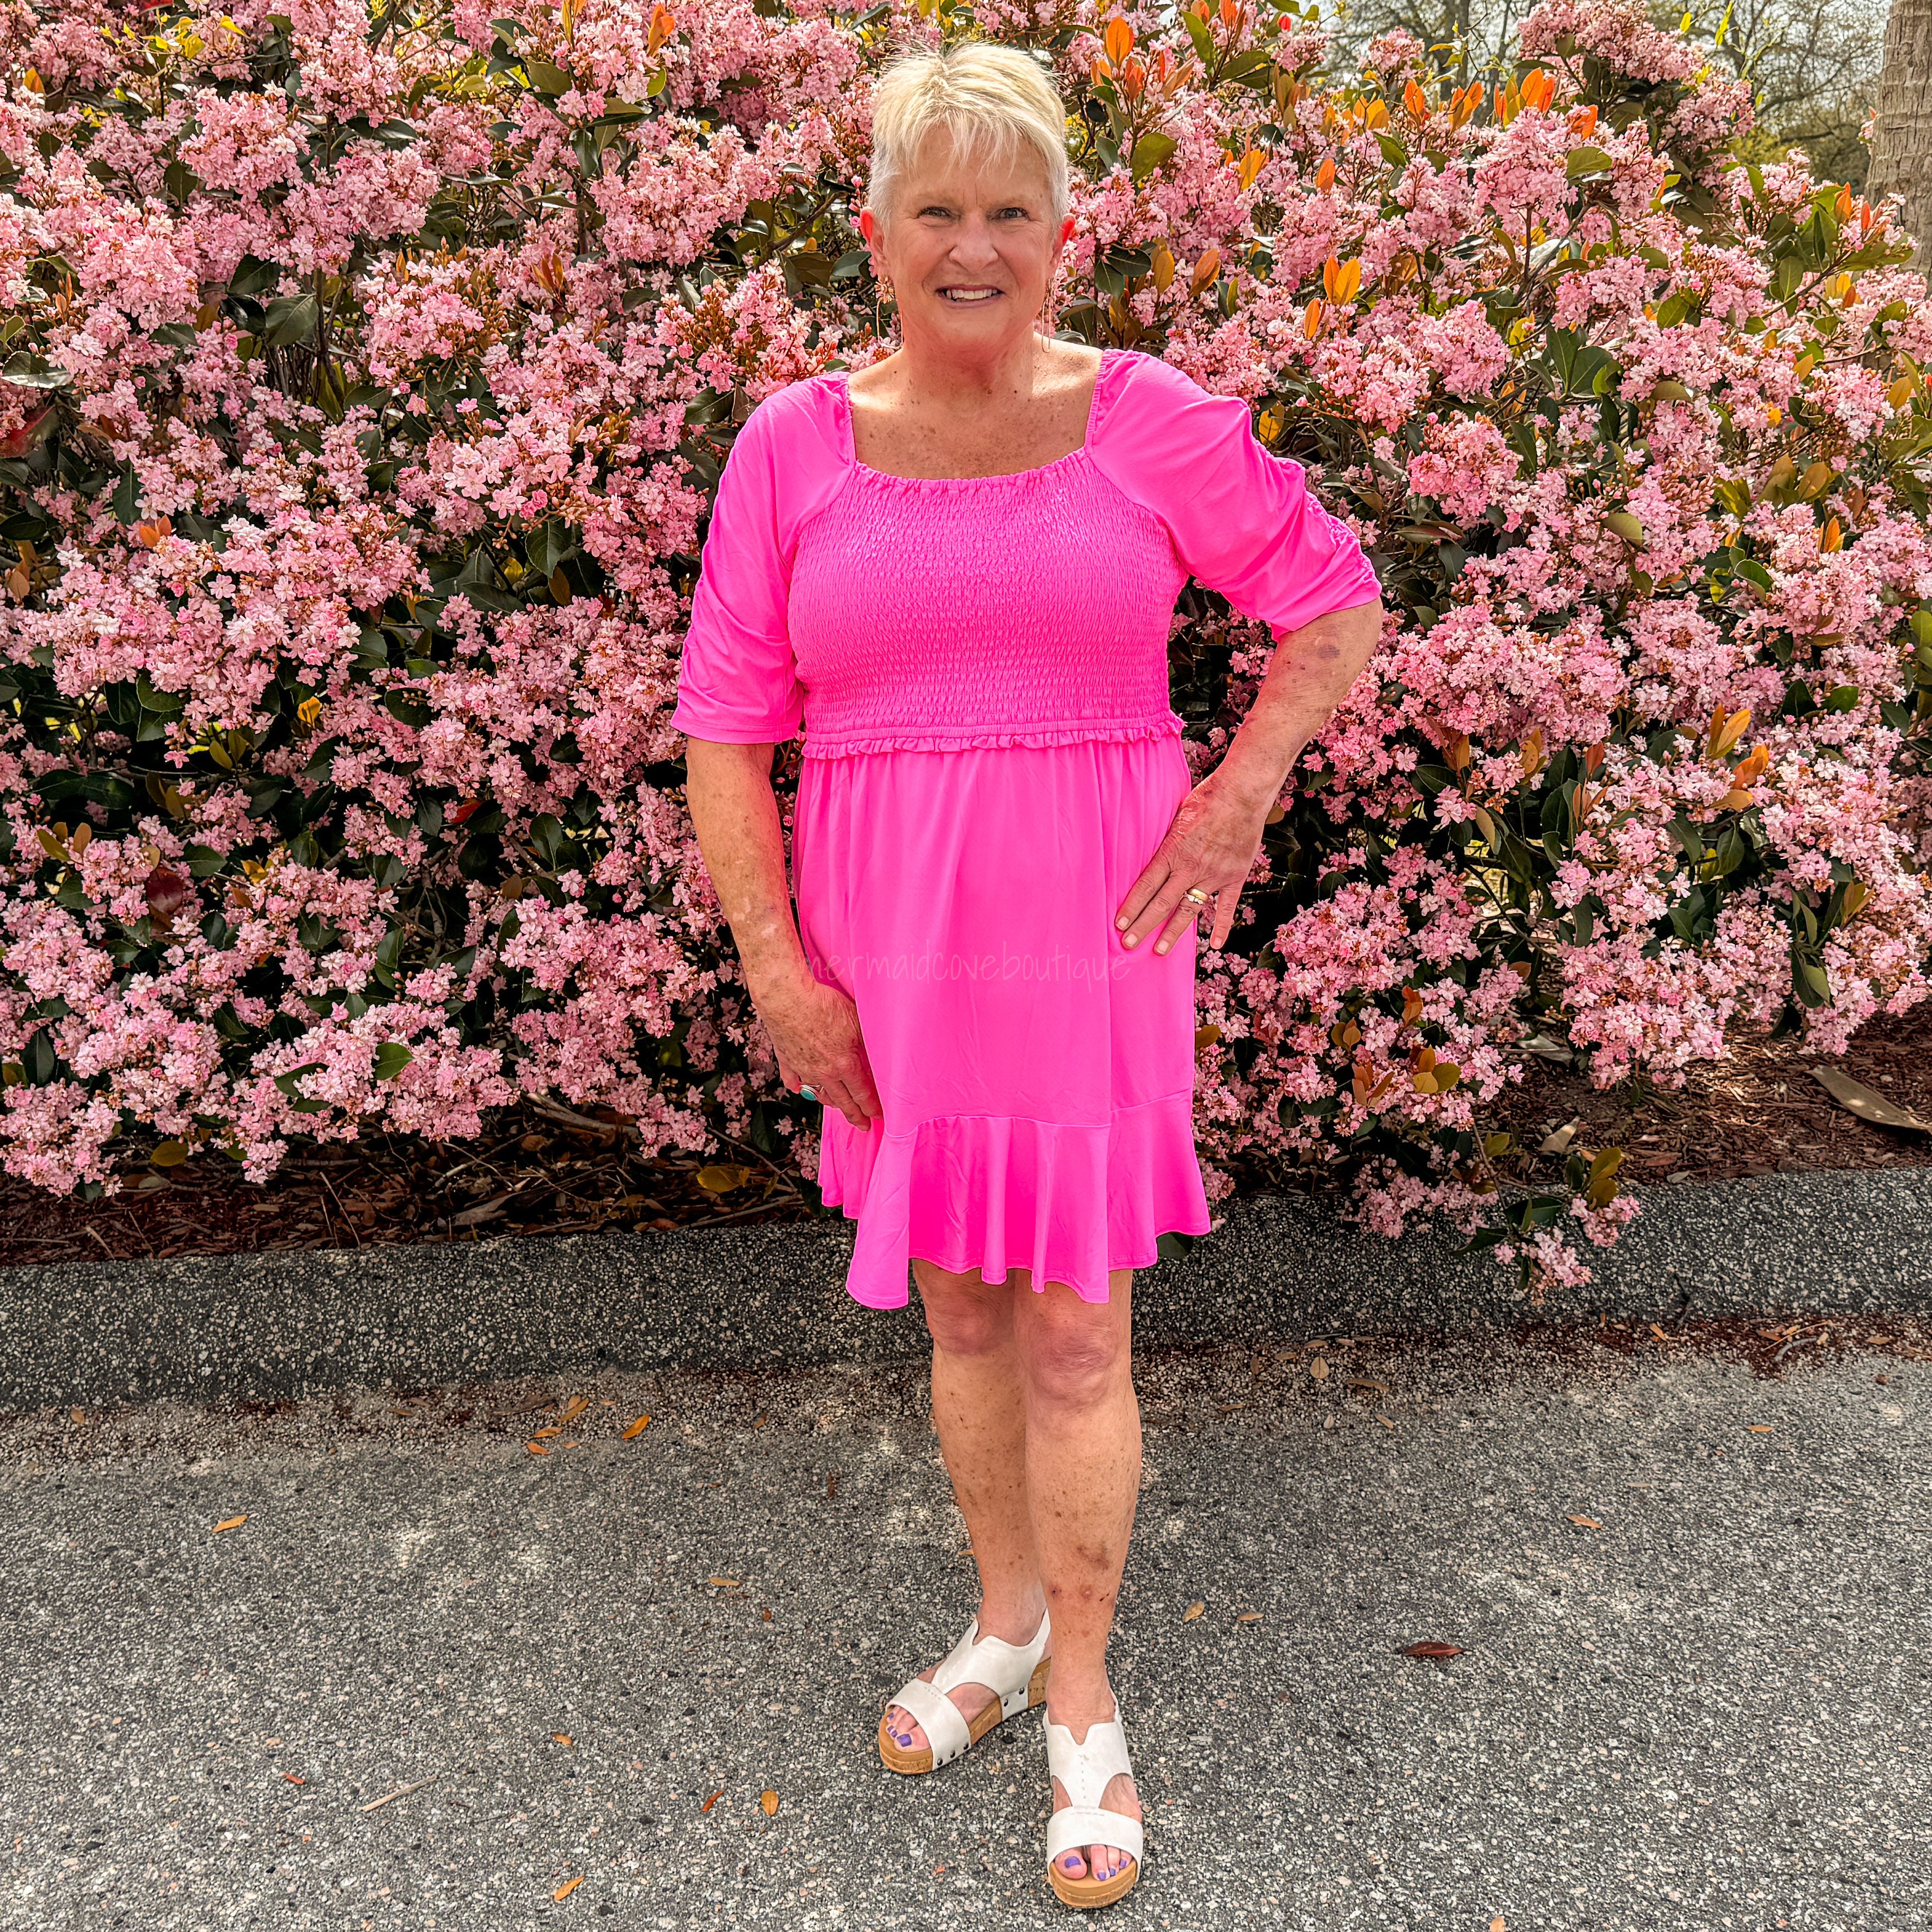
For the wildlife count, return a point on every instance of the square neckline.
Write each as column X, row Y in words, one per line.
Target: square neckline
column 840, row 379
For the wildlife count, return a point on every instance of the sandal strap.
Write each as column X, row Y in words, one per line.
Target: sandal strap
column 1077, row 1826
column 1085, row 1769
column 945, row 1729
column 1002, row 1667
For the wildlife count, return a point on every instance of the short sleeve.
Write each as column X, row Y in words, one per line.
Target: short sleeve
column 1242, row 520
column 737, row 681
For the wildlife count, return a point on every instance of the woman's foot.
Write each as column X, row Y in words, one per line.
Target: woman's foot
column 972, row 1701
column 1101, row 1863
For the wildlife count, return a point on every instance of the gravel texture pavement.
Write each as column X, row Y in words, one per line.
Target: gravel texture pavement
column 292, row 1323
column 429, row 1679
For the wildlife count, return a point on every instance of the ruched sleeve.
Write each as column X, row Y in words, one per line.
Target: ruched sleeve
column 737, row 681
column 1242, row 520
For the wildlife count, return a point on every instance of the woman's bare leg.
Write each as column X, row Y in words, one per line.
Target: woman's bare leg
column 1083, row 1476
column 979, row 1409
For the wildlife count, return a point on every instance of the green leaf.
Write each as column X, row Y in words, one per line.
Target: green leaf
column 1585, row 161
column 391, row 1057
column 175, row 335
column 26, row 371
column 1150, row 152
column 291, row 319
column 546, row 78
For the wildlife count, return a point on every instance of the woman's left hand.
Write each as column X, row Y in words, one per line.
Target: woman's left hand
column 1211, row 848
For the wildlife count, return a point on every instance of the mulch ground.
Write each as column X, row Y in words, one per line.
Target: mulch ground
column 540, row 1172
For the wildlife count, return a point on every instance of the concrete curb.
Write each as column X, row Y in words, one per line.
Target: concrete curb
column 273, row 1327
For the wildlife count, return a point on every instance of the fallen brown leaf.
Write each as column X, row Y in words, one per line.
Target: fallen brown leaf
column 1761, row 1428
column 545, row 1435
column 709, row 1801
column 232, row 1523
column 77, row 1417
column 637, row 1428
column 724, row 1582
column 289, row 1777
column 569, row 1886
column 1193, row 1611
column 1384, row 1420
column 1586, row 1522
column 562, row 1738
column 538, row 1449
column 770, row 1800
column 1434, row 1653
column 1248, row 1617
column 1860, row 1100
column 1496, row 1924
column 1319, row 1368
column 1658, row 1333
column 577, row 1405
column 1362, row 1382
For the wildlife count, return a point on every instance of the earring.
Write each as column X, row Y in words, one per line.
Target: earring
column 884, row 287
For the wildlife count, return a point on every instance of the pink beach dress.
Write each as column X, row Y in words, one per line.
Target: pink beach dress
column 990, row 758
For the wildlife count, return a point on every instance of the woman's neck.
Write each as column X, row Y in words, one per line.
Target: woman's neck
column 936, row 374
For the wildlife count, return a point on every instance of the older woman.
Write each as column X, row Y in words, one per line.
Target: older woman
column 957, row 568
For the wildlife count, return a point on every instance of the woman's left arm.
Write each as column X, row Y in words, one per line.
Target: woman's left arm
column 1216, row 834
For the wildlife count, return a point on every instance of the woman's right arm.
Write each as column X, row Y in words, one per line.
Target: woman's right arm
column 814, row 1027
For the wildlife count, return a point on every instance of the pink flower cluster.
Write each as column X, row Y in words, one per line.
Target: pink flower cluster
column 366, row 392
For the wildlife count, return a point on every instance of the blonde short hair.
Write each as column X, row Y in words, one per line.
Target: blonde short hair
column 990, row 98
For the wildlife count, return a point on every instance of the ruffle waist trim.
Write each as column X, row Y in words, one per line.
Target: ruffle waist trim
column 1099, row 730
column 1067, row 1203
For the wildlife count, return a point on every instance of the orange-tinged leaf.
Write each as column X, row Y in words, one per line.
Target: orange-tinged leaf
column 1325, row 177
column 569, row 1886
column 545, row 1435
column 1311, row 319
column 576, row 1406
column 1205, row 1037
column 1586, row 1522
column 231, row 1522
column 562, row 1738
column 538, row 1448
column 1248, row 1617
column 1416, row 101
column 1193, row 1611
column 1118, row 41
column 709, row 1801
column 290, row 1778
column 1249, row 167
column 1763, row 1428
column 1497, row 1924
column 770, row 1800
column 1205, row 270
column 637, row 1428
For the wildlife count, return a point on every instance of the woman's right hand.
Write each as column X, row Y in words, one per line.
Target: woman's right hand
column 814, row 1029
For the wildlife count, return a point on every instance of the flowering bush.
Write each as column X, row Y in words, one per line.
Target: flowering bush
column 367, row 372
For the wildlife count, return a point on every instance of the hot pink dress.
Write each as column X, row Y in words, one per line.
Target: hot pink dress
column 990, row 758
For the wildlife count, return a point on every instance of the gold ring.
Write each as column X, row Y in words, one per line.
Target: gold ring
column 1195, row 893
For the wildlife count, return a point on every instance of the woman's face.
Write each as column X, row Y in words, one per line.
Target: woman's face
column 970, row 244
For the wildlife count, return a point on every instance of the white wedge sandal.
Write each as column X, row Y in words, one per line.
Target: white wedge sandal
column 1084, row 1771
column 1015, row 1673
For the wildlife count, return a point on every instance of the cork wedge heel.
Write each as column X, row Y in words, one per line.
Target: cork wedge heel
column 1016, row 1674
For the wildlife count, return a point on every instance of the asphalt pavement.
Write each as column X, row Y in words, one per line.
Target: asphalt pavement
column 430, row 1679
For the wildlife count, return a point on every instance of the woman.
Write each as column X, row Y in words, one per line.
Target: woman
column 957, row 568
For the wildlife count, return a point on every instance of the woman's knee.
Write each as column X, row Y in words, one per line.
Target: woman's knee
column 1074, row 1354
column 964, row 1315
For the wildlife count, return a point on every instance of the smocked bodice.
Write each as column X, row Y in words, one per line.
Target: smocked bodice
column 887, row 613
column 1024, row 609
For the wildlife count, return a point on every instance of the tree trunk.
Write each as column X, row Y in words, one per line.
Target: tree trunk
column 1901, row 145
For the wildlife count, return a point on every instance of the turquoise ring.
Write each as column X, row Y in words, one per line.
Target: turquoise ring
column 806, row 1094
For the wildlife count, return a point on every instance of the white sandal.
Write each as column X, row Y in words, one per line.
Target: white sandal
column 1084, row 1771
column 1016, row 1674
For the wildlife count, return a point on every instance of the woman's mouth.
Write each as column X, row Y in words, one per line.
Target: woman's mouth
column 966, row 296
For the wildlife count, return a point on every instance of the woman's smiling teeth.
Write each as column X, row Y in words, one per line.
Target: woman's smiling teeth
column 979, row 295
